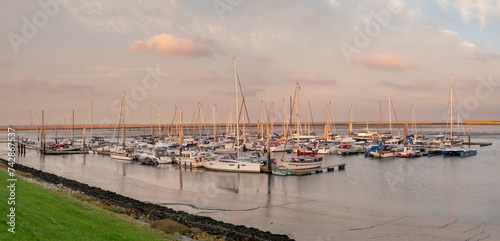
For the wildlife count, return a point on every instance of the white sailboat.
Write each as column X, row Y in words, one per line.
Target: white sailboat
column 122, row 153
column 227, row 163
column 300, row 163
column 453, row 144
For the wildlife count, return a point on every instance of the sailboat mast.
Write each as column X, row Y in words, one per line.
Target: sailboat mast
column 298, row 112
column 390, row 115
column 272, row 117
column 451, row 103
column 380, row 115
column 227, row 121
column 159, row 121
column 180, row 131
column 73, row 128
column 327, row 125
column 152, row 127
column 205, row 126
column 284, row 110
column 55, row 126
column 413, row 121
column 309, row 115
column 43, row 133
column 123, row 119
column 91, row 118
column 262, row 118
column 236, row 107
column 243, row 115
column 213, row 121
column 65, row 130
column 350, row 124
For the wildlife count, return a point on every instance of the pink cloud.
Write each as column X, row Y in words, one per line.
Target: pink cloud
column 165, row 44
column 386, row 62
column 313, row 79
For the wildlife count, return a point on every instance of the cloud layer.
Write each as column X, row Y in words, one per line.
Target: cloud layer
column 165, row 44
column 386, row 62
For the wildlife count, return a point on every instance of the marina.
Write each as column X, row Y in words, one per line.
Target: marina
column 250, row 120
column 465, row 189
column 209, row 169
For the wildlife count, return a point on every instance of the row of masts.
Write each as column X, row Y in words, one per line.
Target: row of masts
column 199, row 124
column 200, row 119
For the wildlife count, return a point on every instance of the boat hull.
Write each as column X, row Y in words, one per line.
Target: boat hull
column 302, row 165
column 121, row 156
column 232, row 166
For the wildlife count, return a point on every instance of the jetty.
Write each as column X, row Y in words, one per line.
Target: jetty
column 477, row 143
column 286, row 172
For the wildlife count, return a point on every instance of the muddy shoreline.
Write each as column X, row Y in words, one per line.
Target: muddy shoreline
column 154, row 212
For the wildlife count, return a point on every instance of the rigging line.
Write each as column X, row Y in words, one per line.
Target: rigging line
column 330, row 114
column 459, row 111
column 118, row 123
column 244, row 103
column 395, row 115
column 312, row 119
column 347, row 121
column 290, row 121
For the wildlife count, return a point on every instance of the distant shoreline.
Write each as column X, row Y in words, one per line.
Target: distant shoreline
column 209, row 125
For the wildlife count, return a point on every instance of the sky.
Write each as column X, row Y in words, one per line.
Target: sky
column 58, row 56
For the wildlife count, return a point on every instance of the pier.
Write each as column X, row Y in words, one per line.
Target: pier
column 477, row 143
column 285, row 172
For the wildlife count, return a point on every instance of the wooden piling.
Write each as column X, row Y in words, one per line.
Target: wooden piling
column 73, row 128
column 406, row 132
column 469, row 134
column 42, row 145
column 84, row 148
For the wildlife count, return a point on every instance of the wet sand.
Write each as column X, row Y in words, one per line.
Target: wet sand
column 309, row 219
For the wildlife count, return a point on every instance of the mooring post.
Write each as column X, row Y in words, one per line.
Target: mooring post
column 469, row 134
column 406, row 132
column 42, row 145
column 84, row 148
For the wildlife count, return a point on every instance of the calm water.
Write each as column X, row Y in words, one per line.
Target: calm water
column 428, row 186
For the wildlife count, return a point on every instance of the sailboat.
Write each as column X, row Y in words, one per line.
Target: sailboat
column 300, row 163
column 122, row 153
column 454, row 143
column 227, row 163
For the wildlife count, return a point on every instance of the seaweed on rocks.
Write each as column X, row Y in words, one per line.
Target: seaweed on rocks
column 155, row 212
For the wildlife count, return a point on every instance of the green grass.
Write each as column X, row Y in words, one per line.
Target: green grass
column 43, row 214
